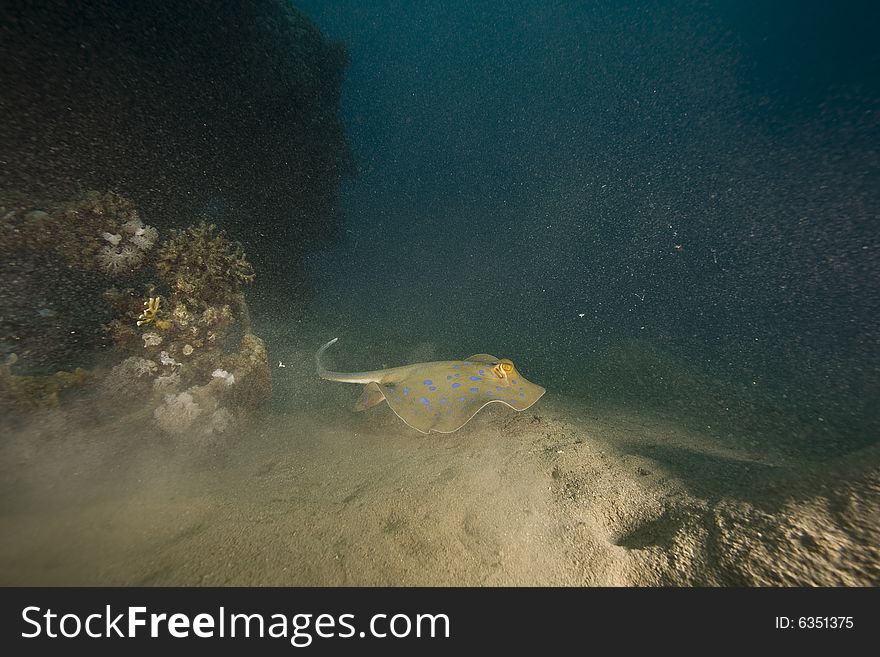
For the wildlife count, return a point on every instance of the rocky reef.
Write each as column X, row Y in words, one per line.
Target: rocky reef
column 199, row 115
column 57, row 257
column 175, row 343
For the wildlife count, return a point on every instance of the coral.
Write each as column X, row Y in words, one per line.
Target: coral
column 177, row 414
column 142, row 367
column 144, row 238
column 150, row 314
column 132, row 226
column 239, row 387
column 27, row 392
column 214, row 316
column 201, row 272
column 131, row 256
column 85, row 232
column 151, row 309
column 167, row 383
column 202, row 268
column 197, row 414
column 223, row 374
column 176, row 331
column 113, row 261
column 130, row 379
column 119, row 258
column 221, row 419
column 166, row 359
column 250, row 367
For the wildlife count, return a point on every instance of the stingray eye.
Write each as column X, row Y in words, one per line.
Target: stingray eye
column 507, row 367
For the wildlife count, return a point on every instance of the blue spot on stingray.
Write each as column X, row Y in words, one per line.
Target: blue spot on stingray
column 448, row 377
column 476, row 378
column 509, row 388
column 456, row 385
column 475, row 390
column 499, row 388
column 458, row 374
column 455, row 367
column 522, row 388
column 432, row 388
column 406, row 390
column 481, row 372
column 425, row 401
column 461, row 398
column 443, row 400
column 522, row 394
column 513, row 381
column 427, row 382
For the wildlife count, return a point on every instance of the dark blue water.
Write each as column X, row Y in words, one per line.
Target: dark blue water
column 578, row 182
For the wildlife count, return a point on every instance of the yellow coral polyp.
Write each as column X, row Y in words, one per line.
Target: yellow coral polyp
column 151, row 309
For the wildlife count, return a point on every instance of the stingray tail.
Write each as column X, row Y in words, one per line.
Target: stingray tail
column 323, row 372
column 344, row 377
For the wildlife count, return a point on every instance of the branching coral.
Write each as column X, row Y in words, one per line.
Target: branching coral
column 201, row 267
column 151, row 314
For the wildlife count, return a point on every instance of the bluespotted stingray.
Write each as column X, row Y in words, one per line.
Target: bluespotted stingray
column 440, row 396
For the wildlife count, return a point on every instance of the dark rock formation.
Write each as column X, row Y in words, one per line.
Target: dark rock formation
column 223, row 108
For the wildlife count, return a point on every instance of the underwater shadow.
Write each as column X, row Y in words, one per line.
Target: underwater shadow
column 704, row 474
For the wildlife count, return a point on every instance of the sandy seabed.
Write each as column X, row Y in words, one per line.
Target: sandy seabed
column 561, row 494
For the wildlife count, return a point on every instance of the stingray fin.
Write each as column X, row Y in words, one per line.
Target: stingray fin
column 371, row 396
column 482, row 358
